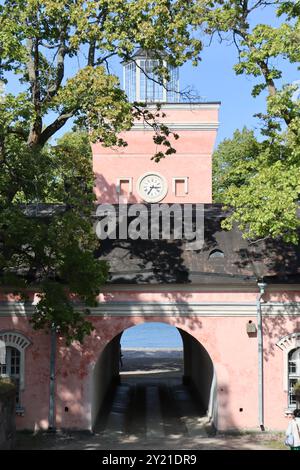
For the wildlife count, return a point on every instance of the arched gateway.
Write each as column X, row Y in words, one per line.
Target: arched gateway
column 198, row 373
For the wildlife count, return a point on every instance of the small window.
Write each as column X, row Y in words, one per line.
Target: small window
column 216, row 254
column 294, row 374
column 124, row 186
column 180, row 186
column 13, row 365
column 11, row 368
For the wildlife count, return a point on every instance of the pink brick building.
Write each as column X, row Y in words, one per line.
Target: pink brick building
column 241, row 338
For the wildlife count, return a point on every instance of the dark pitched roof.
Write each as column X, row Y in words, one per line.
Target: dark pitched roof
column 175, row 261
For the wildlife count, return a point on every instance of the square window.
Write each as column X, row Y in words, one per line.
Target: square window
column 124, row 187
column 180, row 186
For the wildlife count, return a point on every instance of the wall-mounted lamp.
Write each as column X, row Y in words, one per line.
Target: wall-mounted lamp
column 251, row 328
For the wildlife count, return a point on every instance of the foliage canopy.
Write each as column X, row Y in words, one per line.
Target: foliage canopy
column 60, row 51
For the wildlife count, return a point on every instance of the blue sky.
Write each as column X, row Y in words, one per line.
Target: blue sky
column 214, row 80
column 151, row 335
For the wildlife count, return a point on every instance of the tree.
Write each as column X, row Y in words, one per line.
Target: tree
column 37, row 39
column 49, row 248
column 41, row 43
column 265, row 201
column 234, row 162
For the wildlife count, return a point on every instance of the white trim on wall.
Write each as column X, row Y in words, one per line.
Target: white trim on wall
column 179, row 126
column 189, row 106
column 180, row 309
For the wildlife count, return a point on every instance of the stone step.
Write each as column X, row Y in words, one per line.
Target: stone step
column 154, row 410
column 154, row 421
column 189, row 413
column 173, row 425
column 117, row 416
column 136, row 416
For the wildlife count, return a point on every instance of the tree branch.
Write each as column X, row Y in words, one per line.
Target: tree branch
column 266, row 74
column 91, row 54
column 262, row 3
column 33, row 72
column 18, row 131
column 263, row 65
column 60, row 71
column 102, row 60
column 2, row 150
column 54, row 127
column 100, row 21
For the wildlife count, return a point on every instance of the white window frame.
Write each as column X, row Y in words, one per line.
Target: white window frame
column 18, row 341
column 8, row 369
column 287, row 344
column 177, row 179
column 124, row 180
column 293, row 375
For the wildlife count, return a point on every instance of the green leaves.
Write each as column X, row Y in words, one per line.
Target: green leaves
column 267, row 205
column 260, row 180
column 234, row 162
column 60, row 51
column 55, row 309
column 37, row 39
column 97, row 103
column 51, row 252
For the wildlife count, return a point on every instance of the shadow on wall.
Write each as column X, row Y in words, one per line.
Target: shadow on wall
column 145, row 260
column 75, row 375
column 105, row 376
column 275, row 262
column 110, row 193
column 200, row 374
column 172, row 260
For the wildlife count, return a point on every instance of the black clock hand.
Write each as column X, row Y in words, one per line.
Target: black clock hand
column 150, row 190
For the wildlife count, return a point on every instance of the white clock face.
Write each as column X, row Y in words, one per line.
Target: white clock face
column 152, row 187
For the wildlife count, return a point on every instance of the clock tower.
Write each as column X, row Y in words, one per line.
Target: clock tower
column 128, row 175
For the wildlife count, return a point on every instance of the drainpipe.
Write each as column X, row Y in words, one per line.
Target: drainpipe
column 52, row 380
column 262, row 287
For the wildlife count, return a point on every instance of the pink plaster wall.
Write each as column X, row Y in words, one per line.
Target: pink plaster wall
column 233, row 352
column 35, row 396
column 177, row 296
column 234, row 356
column 193, row 159
column 203, row 295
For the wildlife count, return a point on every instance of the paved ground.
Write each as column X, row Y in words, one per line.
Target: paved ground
column 84, row 441
column 150, row 409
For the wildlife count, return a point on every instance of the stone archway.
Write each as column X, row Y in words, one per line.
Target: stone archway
column 198, row 374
